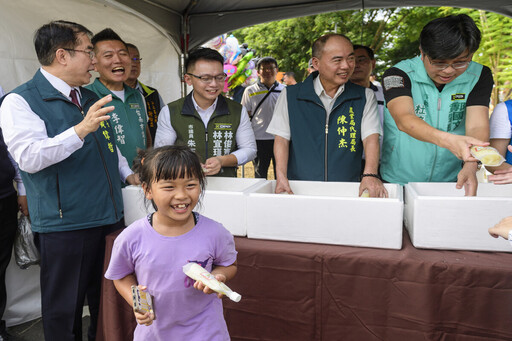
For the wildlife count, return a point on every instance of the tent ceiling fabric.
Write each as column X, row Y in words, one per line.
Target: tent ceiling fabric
column 209, row 18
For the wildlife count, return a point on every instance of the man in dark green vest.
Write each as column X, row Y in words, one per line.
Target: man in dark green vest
column 216, row 128
column 129, row 119
column 154, row 102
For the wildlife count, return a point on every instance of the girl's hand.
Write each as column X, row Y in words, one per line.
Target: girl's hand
column 201, row 287
column 146, row 318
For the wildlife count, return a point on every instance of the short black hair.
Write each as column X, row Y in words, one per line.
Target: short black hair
column 266, row 60
column 57, row 35
column 131, row 46
column 105, row 35
column 448, row 37
column 318, row 45
column 370, row 52
column 290, row 74
column 202, row 53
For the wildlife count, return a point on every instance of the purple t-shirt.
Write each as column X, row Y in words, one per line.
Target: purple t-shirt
column 182, row 312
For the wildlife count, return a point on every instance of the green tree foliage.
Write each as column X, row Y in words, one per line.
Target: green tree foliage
column 392, row 33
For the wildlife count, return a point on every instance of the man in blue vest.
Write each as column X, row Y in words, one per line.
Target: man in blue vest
column 437, row 107
column 322, row 125
column 59, row 134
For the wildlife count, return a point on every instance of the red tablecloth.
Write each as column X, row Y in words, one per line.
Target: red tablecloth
column 299, row 291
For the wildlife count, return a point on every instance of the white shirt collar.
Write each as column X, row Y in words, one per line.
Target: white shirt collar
column 319, row 89
column 59, row 84
column 199, row 109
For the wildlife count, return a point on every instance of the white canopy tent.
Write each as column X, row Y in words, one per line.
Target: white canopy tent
column 199, row 20
column 163, row 30
column 20, row 19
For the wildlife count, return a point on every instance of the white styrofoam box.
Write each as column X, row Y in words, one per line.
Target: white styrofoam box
column 135, row 204
column 439, row 216
column 328, row 213
column 224, row 200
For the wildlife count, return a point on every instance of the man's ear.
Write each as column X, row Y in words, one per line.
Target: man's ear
column 315, row 63
column 187, row 79
column 62, row 56
column 422, row 55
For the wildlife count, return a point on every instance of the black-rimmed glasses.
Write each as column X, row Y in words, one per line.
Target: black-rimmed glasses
column 90, row 53
column 207, row 78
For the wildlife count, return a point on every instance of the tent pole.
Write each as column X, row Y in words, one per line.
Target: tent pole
column 185, row 30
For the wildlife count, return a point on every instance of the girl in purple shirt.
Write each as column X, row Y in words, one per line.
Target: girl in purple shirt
column 152, row 251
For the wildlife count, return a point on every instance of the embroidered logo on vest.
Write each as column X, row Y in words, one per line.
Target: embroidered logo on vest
column 458, row 97
column 342, row 130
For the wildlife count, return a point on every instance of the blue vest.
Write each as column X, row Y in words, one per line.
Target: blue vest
column 84, row 190
column 323, row 150
column 508, row 103
column 406, row 159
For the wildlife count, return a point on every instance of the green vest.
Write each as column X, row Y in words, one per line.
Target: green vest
column 405, row 159
column 128, row 120
column 220, row 136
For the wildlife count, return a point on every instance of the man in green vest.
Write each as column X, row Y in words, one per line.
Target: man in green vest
column 129, row 119
column 216, row 128
column 154, row 102
column 437, row 107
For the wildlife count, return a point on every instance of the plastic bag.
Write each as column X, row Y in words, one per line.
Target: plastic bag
column 25, row 251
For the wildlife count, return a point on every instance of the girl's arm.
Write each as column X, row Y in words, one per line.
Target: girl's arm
column 124, row 288
column 222, row 274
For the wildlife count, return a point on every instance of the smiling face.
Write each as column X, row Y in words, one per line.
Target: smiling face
column 336, row 62
column 112, row 61
column 77, row 72
column 205, row 93
column 175, row 199
column 267, row 73
column 447, row 75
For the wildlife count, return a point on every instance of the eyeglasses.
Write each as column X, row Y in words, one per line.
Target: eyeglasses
column 135, row 59
column 90, row 53
column 456, row 65
column 207, row 78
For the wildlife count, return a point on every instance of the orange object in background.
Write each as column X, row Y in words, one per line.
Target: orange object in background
column 280, row 76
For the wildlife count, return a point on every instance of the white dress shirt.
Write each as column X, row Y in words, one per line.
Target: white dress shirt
column 500, row 123
column 370, row 123
column 166, row 135
column 27, row 139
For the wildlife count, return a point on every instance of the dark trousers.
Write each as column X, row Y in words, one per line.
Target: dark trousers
column 8, row 226
column 71, row 269
column 263, row 156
